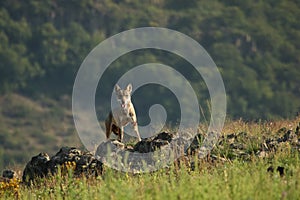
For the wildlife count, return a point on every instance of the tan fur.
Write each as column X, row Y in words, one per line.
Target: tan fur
column 123, row 115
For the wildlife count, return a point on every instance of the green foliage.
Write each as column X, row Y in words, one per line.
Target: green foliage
column 16, row 66
column 256, row 46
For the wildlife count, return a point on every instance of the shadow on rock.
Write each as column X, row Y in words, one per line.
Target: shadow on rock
column 150, row 145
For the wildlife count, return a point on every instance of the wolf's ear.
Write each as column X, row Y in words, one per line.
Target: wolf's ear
column 129, row 88
column 117, row 88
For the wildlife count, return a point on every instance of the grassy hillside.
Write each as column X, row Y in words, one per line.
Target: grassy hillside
column 29, row 126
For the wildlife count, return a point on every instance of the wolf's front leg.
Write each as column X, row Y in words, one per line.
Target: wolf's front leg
column 121, row 135
column 136, row 130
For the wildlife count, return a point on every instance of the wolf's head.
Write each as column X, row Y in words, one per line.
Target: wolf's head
column 123, row 96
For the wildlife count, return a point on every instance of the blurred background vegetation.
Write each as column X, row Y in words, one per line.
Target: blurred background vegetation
column 255, row 44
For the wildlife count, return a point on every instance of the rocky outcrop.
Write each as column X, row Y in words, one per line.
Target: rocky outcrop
column 147, row 155
column 241, row 145
column 67, row 158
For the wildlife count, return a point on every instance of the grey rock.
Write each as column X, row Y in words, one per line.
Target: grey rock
column 85, row 164
column 36, row 168
column 152, row 144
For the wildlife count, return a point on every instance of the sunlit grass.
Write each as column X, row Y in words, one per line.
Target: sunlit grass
column 236, row 180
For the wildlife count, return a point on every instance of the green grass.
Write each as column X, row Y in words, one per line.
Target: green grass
column 235, row 180
column 209, row 180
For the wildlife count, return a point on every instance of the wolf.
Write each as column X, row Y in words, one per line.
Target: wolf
column 121, row 116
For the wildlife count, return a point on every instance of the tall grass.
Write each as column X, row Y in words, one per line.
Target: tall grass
column 236, row 180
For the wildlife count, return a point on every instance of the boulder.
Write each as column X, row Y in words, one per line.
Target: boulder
column 67, row 158
column 37, row 167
